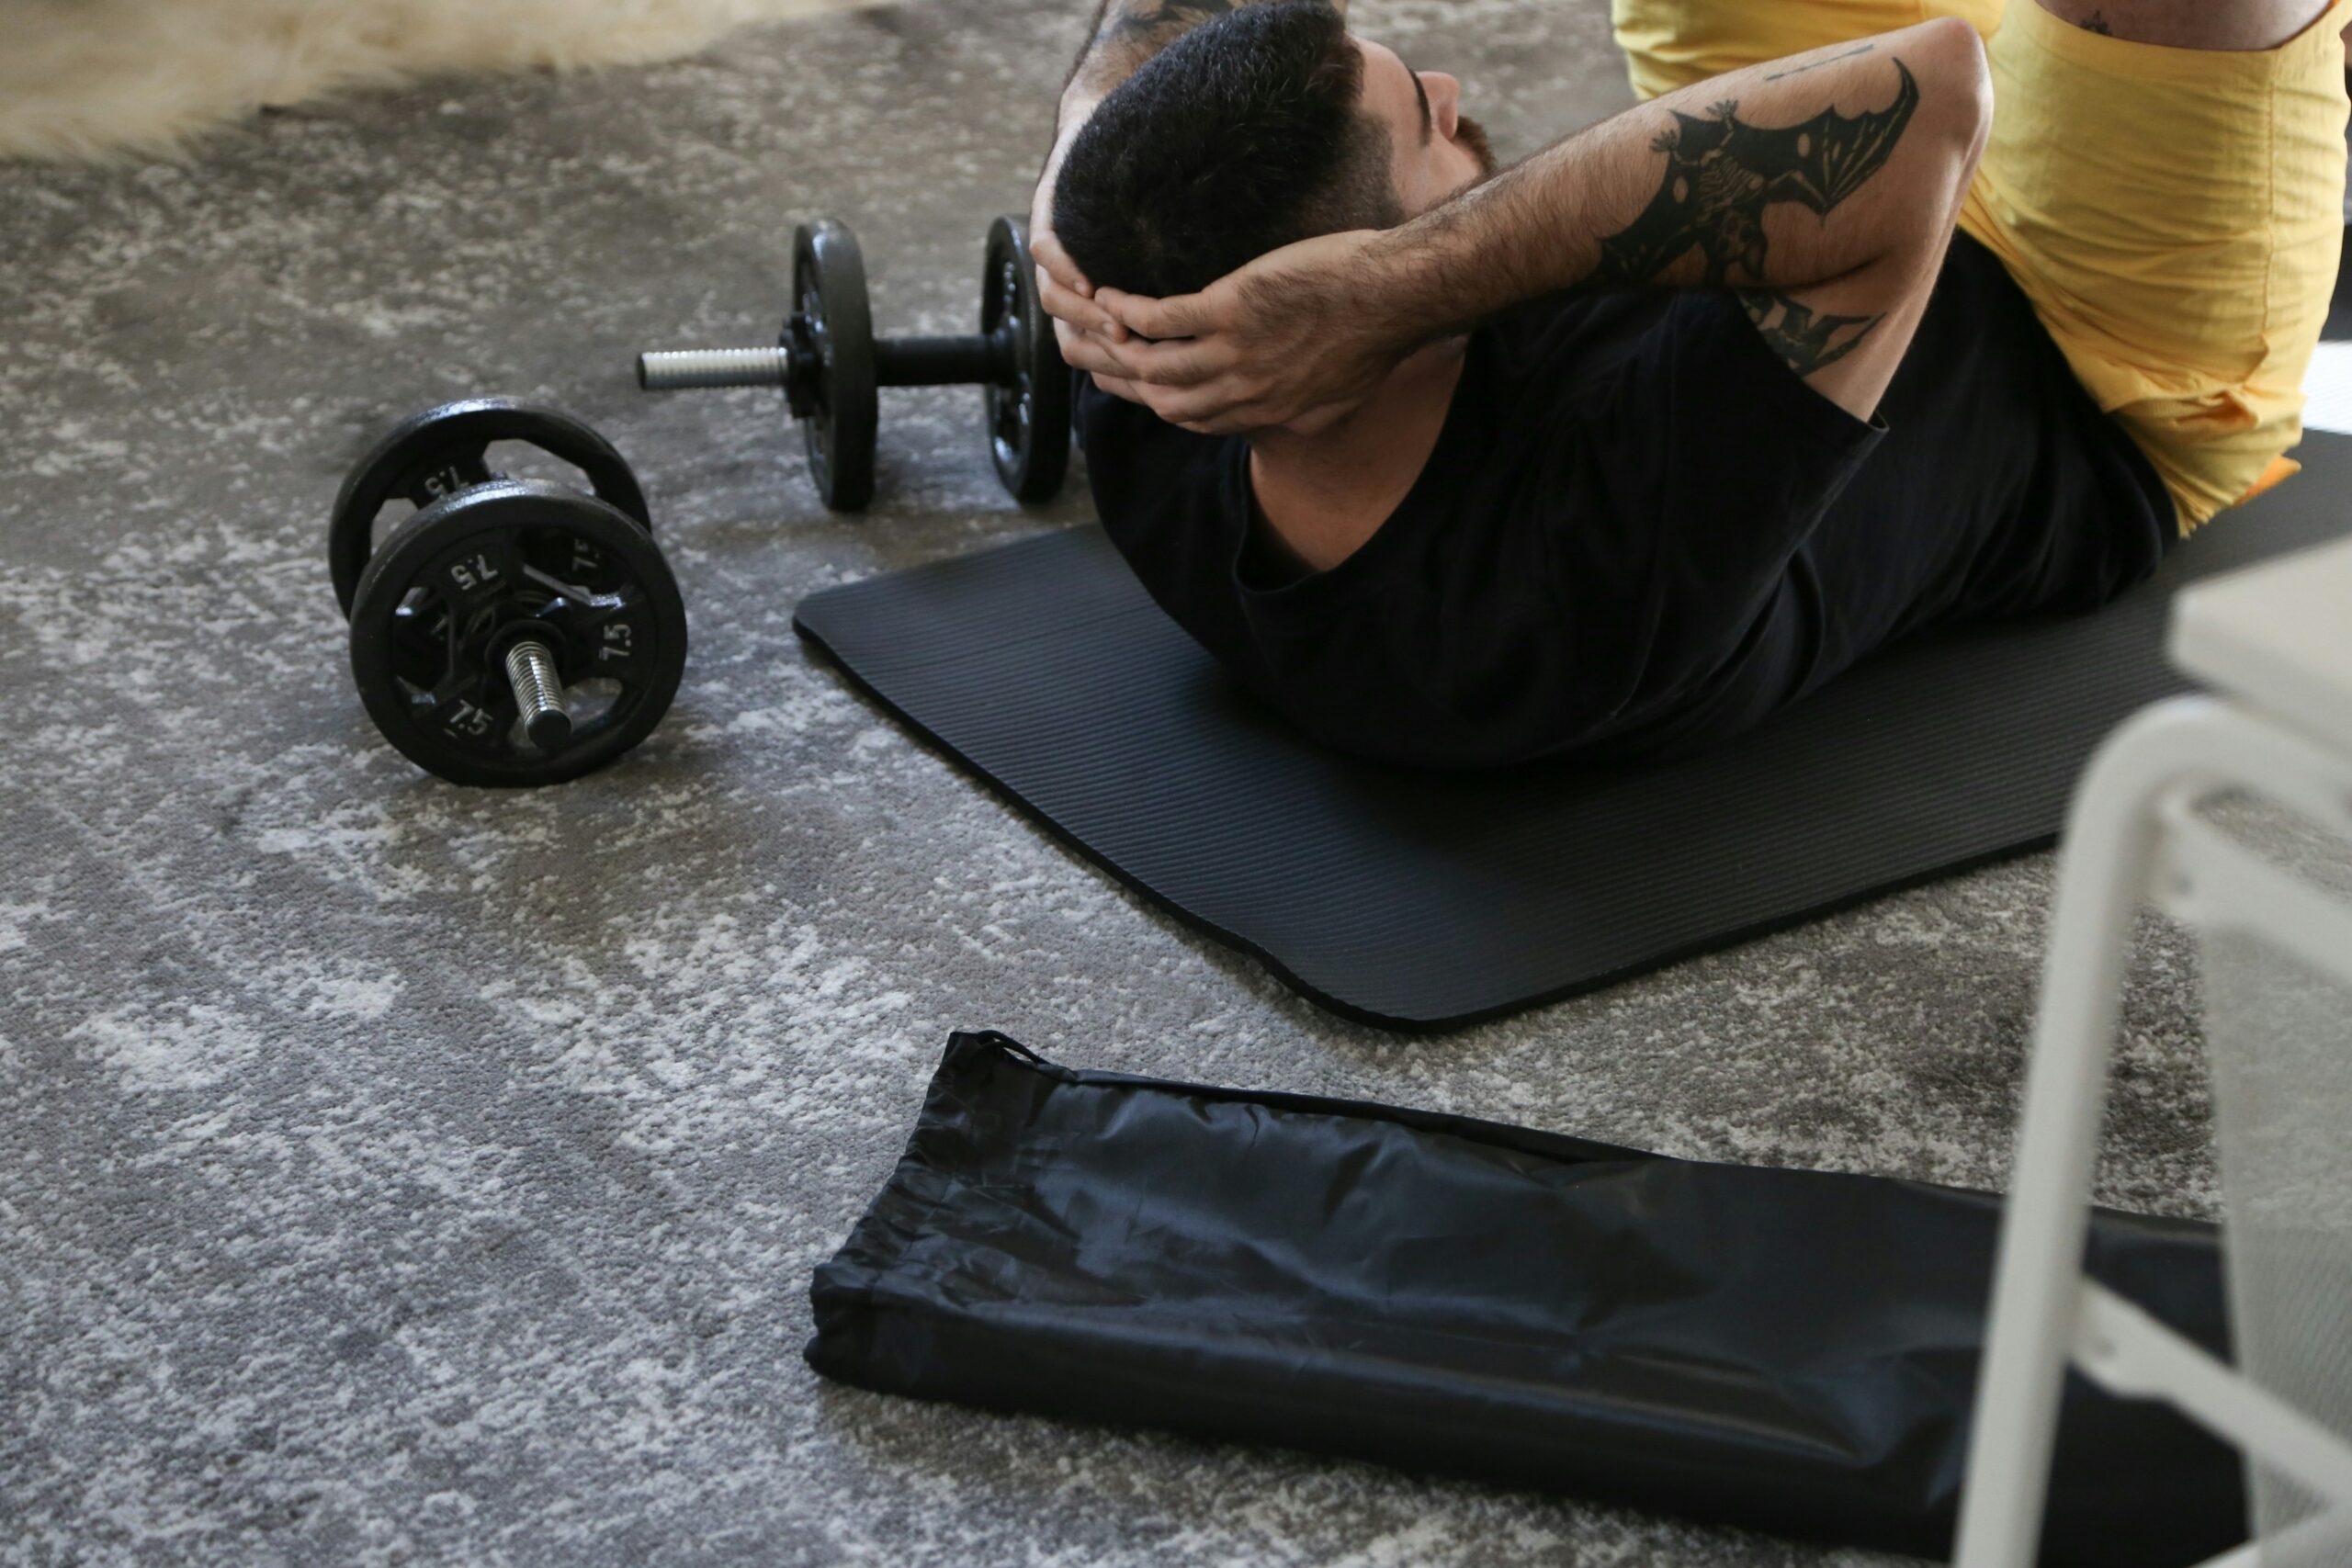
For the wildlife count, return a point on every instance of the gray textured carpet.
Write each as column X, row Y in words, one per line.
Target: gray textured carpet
column 391, row 1172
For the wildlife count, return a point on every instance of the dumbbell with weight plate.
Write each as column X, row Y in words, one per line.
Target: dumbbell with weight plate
column 443, row 450
column 829, row 364
column 512, row 631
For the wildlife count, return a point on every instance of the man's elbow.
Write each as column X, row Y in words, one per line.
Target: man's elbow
column 1955, row 91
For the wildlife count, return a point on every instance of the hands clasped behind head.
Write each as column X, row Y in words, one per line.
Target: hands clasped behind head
column 1293, row 339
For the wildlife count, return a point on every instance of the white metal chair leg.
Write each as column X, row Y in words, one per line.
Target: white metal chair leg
column 2277, row 636
column 2109, row 836
column 2187, row 744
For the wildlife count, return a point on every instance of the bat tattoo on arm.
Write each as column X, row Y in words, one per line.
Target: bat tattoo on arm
column 1721, row 173
column 1806, row 342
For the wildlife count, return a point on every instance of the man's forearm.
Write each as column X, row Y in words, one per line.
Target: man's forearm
column 1775, row 178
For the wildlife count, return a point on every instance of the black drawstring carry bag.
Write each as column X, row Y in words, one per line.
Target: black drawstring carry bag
column 1789, row 1350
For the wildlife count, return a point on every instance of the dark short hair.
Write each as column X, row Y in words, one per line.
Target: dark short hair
column 1242, row 136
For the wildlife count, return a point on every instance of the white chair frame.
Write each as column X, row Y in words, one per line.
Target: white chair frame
column 2133, row 836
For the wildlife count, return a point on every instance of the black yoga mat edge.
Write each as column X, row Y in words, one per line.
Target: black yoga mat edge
column 1070, row 841
column 1699, row 947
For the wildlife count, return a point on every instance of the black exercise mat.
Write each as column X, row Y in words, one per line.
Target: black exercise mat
column 1426, row 900
column 1786, row 1350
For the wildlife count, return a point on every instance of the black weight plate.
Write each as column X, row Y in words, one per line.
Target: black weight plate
column 829, row 292
column 1028, row 419
column 435, row 607
column 440, row 451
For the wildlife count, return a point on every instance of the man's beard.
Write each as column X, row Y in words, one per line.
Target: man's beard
column 1473, row 135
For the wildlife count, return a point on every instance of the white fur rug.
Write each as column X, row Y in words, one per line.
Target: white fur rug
column 83, row 79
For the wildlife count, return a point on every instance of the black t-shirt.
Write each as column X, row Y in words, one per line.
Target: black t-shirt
column 1640, row 533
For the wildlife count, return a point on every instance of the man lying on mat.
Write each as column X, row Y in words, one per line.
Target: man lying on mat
column 1623, row 448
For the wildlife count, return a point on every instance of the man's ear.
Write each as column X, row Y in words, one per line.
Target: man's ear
column 1445, row 102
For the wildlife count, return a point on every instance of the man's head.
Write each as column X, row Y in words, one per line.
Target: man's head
column 1269, row 125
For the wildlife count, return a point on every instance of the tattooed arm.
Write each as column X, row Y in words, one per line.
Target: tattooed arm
column 1823, row 188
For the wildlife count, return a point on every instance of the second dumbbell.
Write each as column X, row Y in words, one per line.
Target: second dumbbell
column 828, row 365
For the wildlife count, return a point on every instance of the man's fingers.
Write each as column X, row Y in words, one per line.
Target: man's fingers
column 1181, row 317
column 1061, row 301
column 1182, row 363
column 1067, row 278
column 1064, row 291
column 1047, row 252
column 1211, row 413
column 1220, row 424
column 1090, row 352
column 1080, row 311
column 1118, row 388
column 1231, row 415
column 1179, row 363
column 1084, row 351
column 1072, row 343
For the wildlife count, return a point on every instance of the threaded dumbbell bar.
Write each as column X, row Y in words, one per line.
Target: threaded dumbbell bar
column 684, row 369
column 829, row 364
column 951, row 361
column 538, row 693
